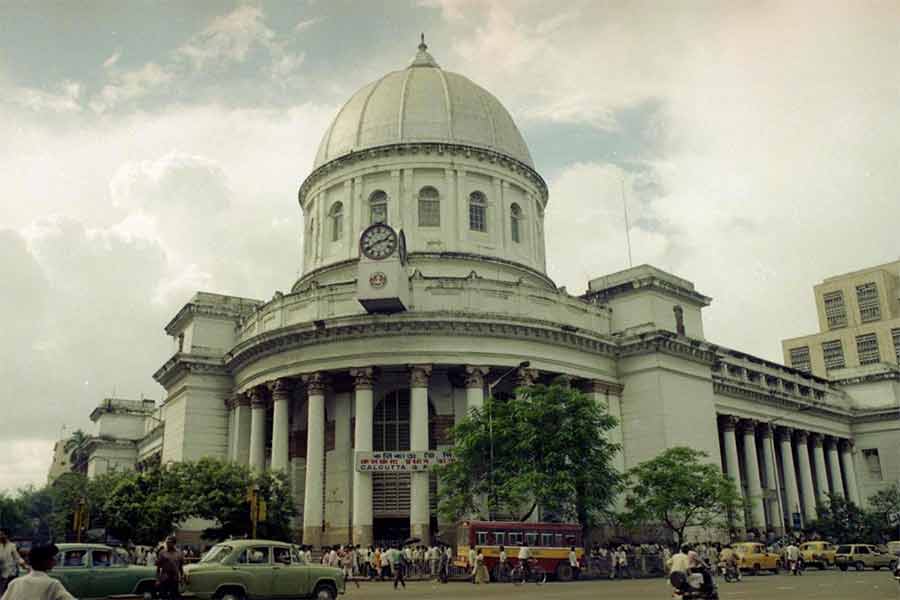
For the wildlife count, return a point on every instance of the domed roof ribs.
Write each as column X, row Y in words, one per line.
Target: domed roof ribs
column 449, row 104
column 490, row 116
column 362, row 112
column 331, row 129
column 402, row 105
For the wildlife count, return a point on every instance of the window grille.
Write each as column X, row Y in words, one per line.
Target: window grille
column 835, row 310
column 867, row 348
column 429, row 208
column 546, row 539
column 337, row 221
column 477, row 212
column 895, row 334
column 867, row 298
column 531, row 539
column 800, row 358
column 481, row 538
column 873, row 463
column 378, row 205
column 833, row 353
column 515, row 218
column 500, row 538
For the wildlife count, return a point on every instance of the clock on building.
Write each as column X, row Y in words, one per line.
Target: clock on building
column 378, row 241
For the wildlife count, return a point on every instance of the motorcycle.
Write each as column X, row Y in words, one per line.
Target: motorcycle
column 696, row 585
column 729, row 572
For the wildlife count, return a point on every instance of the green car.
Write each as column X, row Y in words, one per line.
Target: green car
column 248, row 569
column 98, row 571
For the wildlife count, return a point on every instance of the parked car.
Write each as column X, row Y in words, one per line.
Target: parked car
column 249, row 569
column 754, row 557
column 860, row 556
column 894, row 547
column 98, row 571
column 820, row 554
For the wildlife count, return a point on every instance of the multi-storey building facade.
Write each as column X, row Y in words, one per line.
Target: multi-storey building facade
column 424, row 282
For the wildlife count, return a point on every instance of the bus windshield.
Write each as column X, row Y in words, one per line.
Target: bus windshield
column 462, row 536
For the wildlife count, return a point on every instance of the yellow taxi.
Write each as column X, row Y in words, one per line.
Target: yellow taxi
column 754, row 557
column 820, row 554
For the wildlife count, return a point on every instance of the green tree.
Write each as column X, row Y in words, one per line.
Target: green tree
column 884, row 508
column 549, row 449
column 12, row 515
column 76, row 446
column 679, row 489
column 840, row 520
column 144, row 506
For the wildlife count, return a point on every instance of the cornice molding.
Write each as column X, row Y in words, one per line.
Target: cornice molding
column 731, row 388
column 412, row 149
column 642, row 284
column 441, row 323
column 222, row 311
column 882, row 376
column 183, row 363
column 666, row 342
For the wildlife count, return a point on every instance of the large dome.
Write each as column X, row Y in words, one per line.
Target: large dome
column 422, row 103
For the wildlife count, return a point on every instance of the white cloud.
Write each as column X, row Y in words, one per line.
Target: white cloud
column 229, row 38
column 308, row 23
column 130, row 85
column 112, row 60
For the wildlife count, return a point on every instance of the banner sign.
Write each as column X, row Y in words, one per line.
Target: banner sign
column 401, row 461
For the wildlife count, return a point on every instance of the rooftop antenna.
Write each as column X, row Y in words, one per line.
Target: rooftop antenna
column 627, row 228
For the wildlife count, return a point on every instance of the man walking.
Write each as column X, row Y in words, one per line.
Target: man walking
column 10, row 561
column 37, row 584
column 169, row 570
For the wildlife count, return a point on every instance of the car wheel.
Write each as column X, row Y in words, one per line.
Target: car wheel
column 325, row 591
column 563, row 572
column 842, row 567
column 860, row 565
column 893, row 565
column 756, row 569
column 231, row 595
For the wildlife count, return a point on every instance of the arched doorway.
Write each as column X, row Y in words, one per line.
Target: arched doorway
column 390, row 491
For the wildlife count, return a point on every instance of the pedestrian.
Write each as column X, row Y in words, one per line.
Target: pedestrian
column 385, row 564
column 573, row 563
column 502, row 565
column 446, row 556
column 622, row 563
column 793, row 556
column 470, row 564
column 397, row 560
column 169, row 570
column 37, row 584
column 481, row 572
column 10, row 561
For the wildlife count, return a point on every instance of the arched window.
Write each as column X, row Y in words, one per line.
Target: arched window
column 336, row 214
column 477, row 212
column 429, row 207
column 515, row 218
column 378, row 207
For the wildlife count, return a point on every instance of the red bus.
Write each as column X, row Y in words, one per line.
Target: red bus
column 549, row 544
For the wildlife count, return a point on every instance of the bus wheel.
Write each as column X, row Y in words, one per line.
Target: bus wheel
column 563, row 572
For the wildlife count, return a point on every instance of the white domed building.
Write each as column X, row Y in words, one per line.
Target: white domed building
column 424, row 282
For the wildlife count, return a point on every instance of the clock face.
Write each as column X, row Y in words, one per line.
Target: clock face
column 378, row 241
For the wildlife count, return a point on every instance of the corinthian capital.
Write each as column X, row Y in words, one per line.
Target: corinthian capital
column 259, row 397
column 474, row 377
column 281, row 388
column 315, row 383
column 525, row 377
column 419, row 375
column 363, row 378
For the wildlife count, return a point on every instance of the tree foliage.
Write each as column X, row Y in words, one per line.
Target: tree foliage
column 840, row 520
column 679, row 489
column 549, row 450
column 143, row 507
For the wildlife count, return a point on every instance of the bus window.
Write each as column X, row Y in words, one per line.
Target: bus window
column 531, row 539
column 559, row 540
column 515, row 539
column 462, row 536
column 481, row 538
column 546, row 539
column 500, row 538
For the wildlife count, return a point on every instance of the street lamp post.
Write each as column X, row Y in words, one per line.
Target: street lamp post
column 522, row 365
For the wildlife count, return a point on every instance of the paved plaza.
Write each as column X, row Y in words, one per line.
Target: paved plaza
column 828, row 585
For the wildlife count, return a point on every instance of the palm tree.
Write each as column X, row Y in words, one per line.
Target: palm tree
column 76, row 446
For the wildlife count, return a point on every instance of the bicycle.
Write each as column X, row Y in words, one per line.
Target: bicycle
column 535, row 574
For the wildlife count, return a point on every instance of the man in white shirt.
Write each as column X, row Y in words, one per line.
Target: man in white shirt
column 37, row 585
column 793, row 557
column 573, row 562
column 525, row 559
column 9, row 561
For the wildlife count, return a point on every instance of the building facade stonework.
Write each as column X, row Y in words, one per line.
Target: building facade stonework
column 301, row 382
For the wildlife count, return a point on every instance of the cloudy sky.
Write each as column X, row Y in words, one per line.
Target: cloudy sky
column 151, row 149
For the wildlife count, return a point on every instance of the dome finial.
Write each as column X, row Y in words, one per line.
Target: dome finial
column 423, row 58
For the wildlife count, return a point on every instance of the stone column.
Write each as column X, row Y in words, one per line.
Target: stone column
column 258, row 403
column 241, row 438
column 474, row 382
column 821, row 474
column 776, row 515
column 313, row 509
column 834, row 465
column 791, row 492
column 524, row 377
column 806, row 481
column 419, row 510
column 754, row 485
column 846, row 448
column 363, row 384
column 732, row 463
column 281, row 428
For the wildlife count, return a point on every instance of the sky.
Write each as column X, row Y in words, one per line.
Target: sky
column 152, row 149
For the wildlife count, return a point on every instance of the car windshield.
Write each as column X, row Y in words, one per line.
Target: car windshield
column 216, row 554
column 843, row 550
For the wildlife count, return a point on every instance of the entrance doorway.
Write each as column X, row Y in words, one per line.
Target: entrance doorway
column 390, row 531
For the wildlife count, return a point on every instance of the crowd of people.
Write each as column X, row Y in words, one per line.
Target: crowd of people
column 394, row 563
